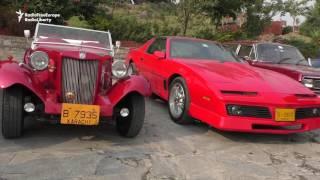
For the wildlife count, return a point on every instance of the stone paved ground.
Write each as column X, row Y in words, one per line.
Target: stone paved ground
column 163, row 150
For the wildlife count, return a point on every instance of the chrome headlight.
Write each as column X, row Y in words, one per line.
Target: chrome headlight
column 39, row 60
column 308, row 83
column 119, row 69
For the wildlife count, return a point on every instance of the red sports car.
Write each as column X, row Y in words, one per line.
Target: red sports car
column 202, row 80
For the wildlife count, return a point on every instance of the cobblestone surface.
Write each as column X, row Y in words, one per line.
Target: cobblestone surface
column 163, row 150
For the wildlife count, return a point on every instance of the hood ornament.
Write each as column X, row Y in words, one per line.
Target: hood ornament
column 82, row 55
column 70, row 96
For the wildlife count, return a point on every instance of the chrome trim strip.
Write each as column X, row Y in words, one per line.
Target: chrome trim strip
column 77, row 45
column 106, row 32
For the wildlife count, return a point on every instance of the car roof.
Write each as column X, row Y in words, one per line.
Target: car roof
column 250, row 42
column 187, row 38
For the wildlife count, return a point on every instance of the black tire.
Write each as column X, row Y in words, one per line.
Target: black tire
column 131, row 125
column 132, row 69
column 154, row 96
column 12, row 113
column 184, row 118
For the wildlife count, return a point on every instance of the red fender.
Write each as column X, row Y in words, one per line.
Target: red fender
column 12, row 74
column 126, row 86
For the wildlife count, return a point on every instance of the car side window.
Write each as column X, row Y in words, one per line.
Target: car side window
column 244, row 51
column 157, row 45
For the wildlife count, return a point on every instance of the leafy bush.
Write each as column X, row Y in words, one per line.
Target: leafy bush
column 287, row 30
column 123, row 27
column 308, row 49
column 229, row 36
column 205, row 33
column 78, row 21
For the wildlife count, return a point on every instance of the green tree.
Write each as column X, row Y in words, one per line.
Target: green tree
column 259, row 15
column 186, row 10
column 217, row 9
column 313, row 20
column 295, row 8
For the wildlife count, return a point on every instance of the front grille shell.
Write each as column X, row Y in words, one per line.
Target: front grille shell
column 79, row 77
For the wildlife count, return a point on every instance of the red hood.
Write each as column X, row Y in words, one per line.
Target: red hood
column 304, row 70
column 243, row 77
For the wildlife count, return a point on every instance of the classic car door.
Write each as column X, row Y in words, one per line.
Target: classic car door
column 154, row 65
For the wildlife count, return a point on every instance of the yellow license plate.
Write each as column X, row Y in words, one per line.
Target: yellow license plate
column 79, row 114
column 285, row 115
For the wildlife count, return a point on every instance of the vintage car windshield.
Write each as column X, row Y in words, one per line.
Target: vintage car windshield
column 281, row 54
column 55, row 34
column 205, row 50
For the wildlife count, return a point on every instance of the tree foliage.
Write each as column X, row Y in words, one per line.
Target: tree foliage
column 259, row 15
column 312, row 23
column 217, row 9
column 295, row 8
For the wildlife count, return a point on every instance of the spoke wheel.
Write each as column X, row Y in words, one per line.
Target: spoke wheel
column 178, row 102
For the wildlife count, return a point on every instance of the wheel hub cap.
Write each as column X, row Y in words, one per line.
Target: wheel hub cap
column 177, row 100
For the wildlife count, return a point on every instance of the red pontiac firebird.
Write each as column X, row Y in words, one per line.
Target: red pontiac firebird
column 202, row 80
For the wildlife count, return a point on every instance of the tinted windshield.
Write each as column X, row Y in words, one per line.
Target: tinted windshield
column 72, row 36
column 195, row 49
column 280, row 54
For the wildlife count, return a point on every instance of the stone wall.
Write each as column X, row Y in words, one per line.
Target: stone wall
column 12, row 46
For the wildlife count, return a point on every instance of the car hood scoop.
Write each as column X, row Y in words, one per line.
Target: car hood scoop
column 234, row 76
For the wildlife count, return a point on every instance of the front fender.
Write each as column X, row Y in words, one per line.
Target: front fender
column 137, row 84
column 12, row 74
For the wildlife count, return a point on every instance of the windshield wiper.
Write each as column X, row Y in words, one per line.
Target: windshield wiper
column 283, row 59
column 299, row 61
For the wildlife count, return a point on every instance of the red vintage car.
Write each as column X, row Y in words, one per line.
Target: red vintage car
column 202, row 80
column 284, row 59
column 69, row 76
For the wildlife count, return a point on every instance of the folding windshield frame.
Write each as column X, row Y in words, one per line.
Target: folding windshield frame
column 78, row 45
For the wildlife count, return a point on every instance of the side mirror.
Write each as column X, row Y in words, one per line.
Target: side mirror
column 118, row 44
column 26, row 33
column 246, row 58
column 160, row 54
column 116, row 48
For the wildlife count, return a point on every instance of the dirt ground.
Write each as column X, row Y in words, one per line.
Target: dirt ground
column 163, row 150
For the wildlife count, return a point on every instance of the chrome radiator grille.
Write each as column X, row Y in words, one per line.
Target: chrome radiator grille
column 79, row 79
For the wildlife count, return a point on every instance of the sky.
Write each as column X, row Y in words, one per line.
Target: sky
column 287, row 16
column 289, row 19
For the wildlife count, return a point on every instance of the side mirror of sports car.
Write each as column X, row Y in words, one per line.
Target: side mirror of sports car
column 246, row 58
column 160, row 54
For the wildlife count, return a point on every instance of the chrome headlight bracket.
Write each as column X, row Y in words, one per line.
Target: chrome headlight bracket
column 119, row 69
column 39, row 60
column 308, row 82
